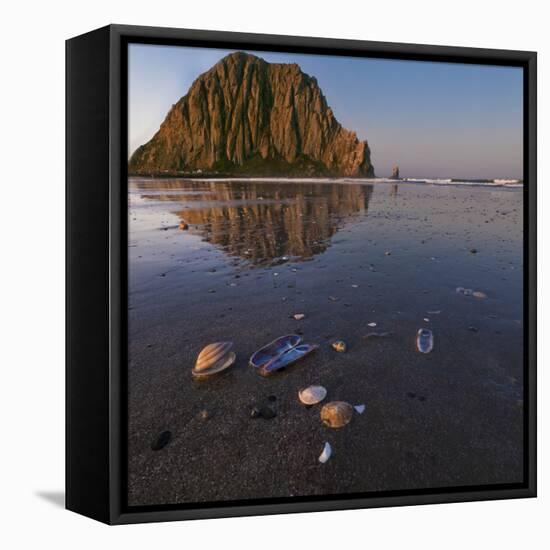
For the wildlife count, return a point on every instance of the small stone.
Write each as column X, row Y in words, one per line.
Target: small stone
column 203, row 416
column 372, row 324
column 161, row 441
column 473, row 251
column 267, row 413
column 255, row 412
column 299, row 316
column 473, row 329
column 339, row 346
column 272, row 397
column 387, row 253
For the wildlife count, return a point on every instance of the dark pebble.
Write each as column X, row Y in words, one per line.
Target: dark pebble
column 161, row 441
column 255, row 412
column 411, row 394
column 267, row 413
column 272, row 397
column 473, row 251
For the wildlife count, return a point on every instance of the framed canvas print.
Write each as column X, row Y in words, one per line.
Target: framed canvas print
column 300, row 274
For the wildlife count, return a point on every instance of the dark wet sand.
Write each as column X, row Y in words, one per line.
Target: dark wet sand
column 450, row 418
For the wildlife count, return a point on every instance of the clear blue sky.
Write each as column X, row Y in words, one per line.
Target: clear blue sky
column 433, row 119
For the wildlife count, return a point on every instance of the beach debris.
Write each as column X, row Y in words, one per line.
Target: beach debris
column 161, row 441
column 336, row 414
column 274, row 349
column 424, row 340
column 470, row 292
column 327, row 452
column 359, row 408
column 426, row 320
column 387, row 253
column 465, row 291
column 214, row 358
column 203, row 415
column 267, row 413
column 312, row 395
column 333, row 298
column 263, row 411
column 287, row 358
column 183, row 226
column 299, row 316
column 377, row 335
column 473, row 251
column 280, row 353
column 372, row 324
column 339, row 346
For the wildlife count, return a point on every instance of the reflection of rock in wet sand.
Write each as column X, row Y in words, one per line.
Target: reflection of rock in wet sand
column 264, row 222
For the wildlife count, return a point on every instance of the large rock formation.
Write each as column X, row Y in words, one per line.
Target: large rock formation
column 250, row 117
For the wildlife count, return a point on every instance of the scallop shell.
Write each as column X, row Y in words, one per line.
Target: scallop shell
column 224, row 363
column 336, row 414
column 424, row 340
column 211, row 354
column 312, row 395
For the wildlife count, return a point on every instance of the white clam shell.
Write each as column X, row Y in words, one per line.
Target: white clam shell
column 312, row 395
column 359, row 408
column 325, row 455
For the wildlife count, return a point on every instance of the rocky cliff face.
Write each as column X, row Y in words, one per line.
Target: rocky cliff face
column 247, row 116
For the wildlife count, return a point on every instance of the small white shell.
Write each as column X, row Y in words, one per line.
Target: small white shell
column 299, row 316
column 372, row 324
column 479, row 294
column 312, row 395
column 325, row 455
column 359, row 408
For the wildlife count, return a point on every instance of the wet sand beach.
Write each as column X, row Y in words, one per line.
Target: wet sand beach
column 347, row 256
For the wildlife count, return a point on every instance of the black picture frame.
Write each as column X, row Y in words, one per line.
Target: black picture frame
column 96, row 264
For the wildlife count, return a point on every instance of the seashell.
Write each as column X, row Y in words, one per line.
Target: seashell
column 274, row 349
column 372, row 324
column 479, row 294
column 339, row 346
column 287, row 358
column 468, row 292
column 359, row 408
column 327, row 452
column 336, row 414
column 424, row 340
column 299, row 316
column 312, row 395
column 214, row 358
column 211, row 354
